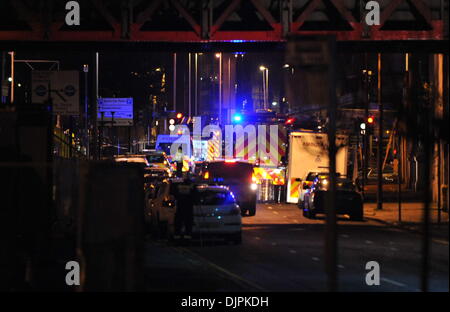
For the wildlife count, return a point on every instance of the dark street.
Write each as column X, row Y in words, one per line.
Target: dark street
column 283, row 251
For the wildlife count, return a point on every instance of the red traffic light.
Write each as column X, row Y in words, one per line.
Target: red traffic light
column 179, row 115
column 370, row 120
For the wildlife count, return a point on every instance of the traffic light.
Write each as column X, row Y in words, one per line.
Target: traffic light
column 370, row 124
column 179, row 116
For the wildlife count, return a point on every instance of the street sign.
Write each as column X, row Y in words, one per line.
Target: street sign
column 5, row 88
column 64, row 90
column 119, row 109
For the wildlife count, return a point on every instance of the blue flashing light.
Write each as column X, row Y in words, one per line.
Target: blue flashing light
column 237, row 118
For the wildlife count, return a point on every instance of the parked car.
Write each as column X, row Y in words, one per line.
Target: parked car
column 348, row 200
column 216, row 212
column 160, row 207
column 305, row 184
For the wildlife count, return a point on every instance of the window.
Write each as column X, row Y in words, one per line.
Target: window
column 152, row 159
column 214, row 198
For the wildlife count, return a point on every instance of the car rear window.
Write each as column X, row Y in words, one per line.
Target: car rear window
column 155, row 159
column 214, row 198
column 232, row 172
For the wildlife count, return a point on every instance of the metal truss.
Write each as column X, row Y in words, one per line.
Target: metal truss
column 221, row 20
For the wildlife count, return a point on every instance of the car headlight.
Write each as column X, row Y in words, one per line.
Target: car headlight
column 253, row 186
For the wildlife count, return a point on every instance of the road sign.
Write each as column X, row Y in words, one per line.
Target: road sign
column 119, row 108
column 5, row 89
column 64, row 90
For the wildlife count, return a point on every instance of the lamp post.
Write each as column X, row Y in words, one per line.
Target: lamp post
column 219, row 56
column 265, row 72
column 86, row 111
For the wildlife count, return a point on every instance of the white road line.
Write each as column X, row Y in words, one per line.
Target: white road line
column 368, row 242
column 295, row 220
column 315, row 259
column 274, row 244
column 292, row 251
column 257, row 237
column 394, row 249
column 275, row 212
column 269, row 207
column 345, row 236
column 240, row 280
column 340, row 266
column 392, row 282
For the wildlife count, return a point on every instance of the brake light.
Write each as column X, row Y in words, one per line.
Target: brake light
column 206, row 175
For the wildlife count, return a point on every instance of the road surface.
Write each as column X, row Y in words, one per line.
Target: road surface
column 283, row 251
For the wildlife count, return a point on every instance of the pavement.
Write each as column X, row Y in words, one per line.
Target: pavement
column 409, row 217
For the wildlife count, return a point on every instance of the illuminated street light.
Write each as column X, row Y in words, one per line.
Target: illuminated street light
column 265, row 72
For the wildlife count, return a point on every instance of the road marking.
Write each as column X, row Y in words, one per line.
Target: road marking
column 391, row 243
column 257, row 237
column 315, row 259
column 394, row 249
column 275, row 212
column 345, row 236
column 292, row 251
column 285, row 216
column 274, row 244
column 340, row 266
column 295, row 220
column 297, row 229
column 368, row 242
column 236, row 278
column 392, row 282
column 269, row 207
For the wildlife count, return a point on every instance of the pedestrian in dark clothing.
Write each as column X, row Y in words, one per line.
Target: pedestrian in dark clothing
column 185, row 206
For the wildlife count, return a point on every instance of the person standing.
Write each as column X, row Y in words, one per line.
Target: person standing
column 184, row 216
column 179, row 161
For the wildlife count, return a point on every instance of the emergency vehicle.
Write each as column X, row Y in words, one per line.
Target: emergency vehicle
column 308, row 152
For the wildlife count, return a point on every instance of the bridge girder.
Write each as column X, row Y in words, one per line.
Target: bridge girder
column 221, row 20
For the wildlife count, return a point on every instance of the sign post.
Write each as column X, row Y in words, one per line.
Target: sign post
column 117, row 111
column 64, row 90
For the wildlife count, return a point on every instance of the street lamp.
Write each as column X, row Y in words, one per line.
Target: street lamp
column 265, row 72
column 219, row 56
